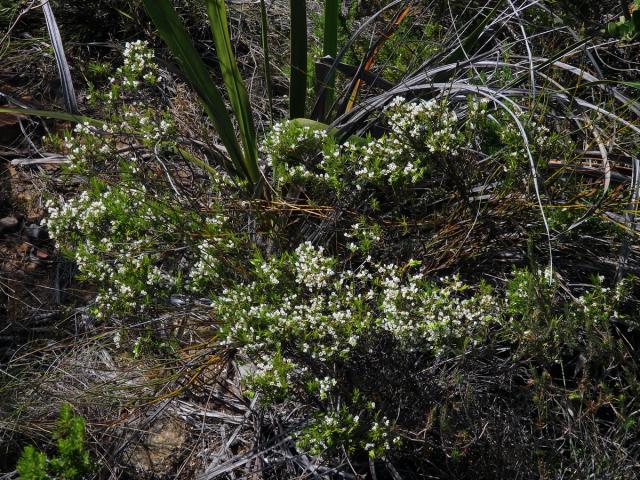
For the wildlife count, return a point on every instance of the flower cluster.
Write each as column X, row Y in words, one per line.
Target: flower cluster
column 312, row 268
column 119, row 238
column 111, row 233
column 417, row 131
column 365, row 235
column 87, row 146
column 302, row 311
column 138, row 69
column 429, row 123
column 291, row 150
column 138, row 64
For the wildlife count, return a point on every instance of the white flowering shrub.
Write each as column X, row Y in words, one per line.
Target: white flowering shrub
column 351, row 337
column 303, row 316
column 129, row 123
column 129, row 229
column 122, row 238
column 420, row 134
column 309, row 325
column 298, row 153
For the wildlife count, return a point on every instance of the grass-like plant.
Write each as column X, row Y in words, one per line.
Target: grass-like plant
column 172, row 31
column 174, row 34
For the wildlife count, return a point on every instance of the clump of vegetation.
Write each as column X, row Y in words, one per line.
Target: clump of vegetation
column 72, row 460
column 628, row 26
column 438, row 284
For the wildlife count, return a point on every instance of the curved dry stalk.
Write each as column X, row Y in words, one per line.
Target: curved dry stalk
column 61, row 59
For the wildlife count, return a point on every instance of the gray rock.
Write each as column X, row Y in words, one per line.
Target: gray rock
column 9, row 225
column 36, row 232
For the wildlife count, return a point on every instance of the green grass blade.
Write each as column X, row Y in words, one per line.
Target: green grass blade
column 330, row 42
column 69, row 117
column 236, row 89
column 298, row 41
column 174, row 34
column 267, row 57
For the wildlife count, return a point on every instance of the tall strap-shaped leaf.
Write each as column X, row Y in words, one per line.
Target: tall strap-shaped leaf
column 298, row 41
column 235, row 86
column 61, row 60
column 174, row 34
column 69, row 117
column 320, row 95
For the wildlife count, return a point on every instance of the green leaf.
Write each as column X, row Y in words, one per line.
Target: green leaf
column 31, row 112
column 235, row 86
column 174, row 34
column 298, row 42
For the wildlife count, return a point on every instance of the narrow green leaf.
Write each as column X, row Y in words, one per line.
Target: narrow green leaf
column 298, row 41
column 235, row 86
column 330, row 42
column 70, row 117
column 174, row 34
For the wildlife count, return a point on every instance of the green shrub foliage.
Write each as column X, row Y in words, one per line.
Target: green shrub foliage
column 71, row 461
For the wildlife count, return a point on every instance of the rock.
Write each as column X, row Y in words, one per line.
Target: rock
column 9, row 225
column 37, row 255
column 36, row 233
column 158, row 453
